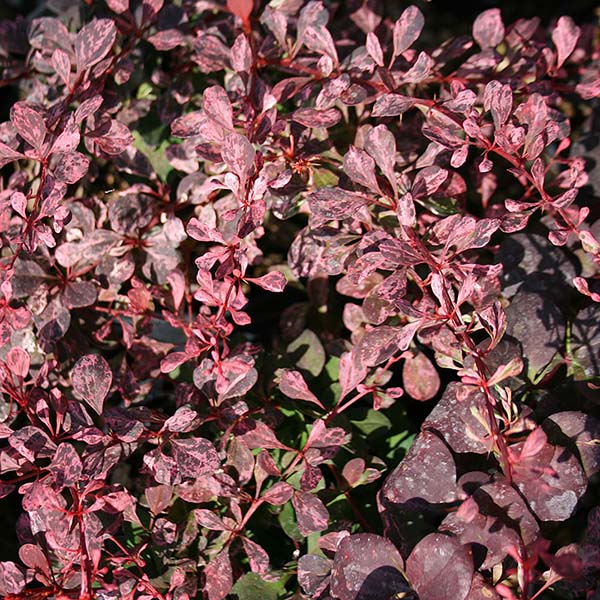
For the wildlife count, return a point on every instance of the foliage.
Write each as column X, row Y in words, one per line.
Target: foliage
column 241, row 246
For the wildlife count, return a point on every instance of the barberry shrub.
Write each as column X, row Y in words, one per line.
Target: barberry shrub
column 297, row 300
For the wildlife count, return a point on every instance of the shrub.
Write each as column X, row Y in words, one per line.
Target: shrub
column 241, row 247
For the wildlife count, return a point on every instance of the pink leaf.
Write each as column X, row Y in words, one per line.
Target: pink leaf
column 62, row 64
column 392, row 105
column 488, row 29
column 241, row 8
column 273, row 281
column 239, row 155
column 207, row 518
column 292, row 384
column 17, row 360
column 565, row 37
column 218, row 576
column 94, row 42
column 217, row 106
column 311, row 117
column 420, row 378
column 374, row 48
column 360, row 167
column 92, row 378
column 28, row 123
column 407, row 29
column 167, row 39
column 534, row 443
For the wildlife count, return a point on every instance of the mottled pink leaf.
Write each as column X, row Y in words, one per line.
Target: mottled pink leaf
column 258, row 558
column 392, row 105
column 381, row 145
column 62, row 64
column 565, row 37
column 310, row 512
column 488, row 29
column 71, row 167
column 292, row 384
column 407, row 29
column 217, row 106
column 167, row 39
column 66, row 466
column 194, row 457
column 8, row 155
column 12, row 579
column 279, row 494
column 274, row 281
column 374, row 48
column 94, row 42
column 28, row 123
column 360, row 167
column 17, row 360
column 92, row 378
column 238, row 153
column 218, row 576
column 311, row 117
column 420, row 378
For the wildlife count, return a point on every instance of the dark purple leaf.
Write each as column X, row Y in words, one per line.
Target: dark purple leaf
column 92, row 378
column 367, row 567
column 313, row 573
column 440, row 568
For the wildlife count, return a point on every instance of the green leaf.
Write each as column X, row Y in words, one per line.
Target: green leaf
column 374, row 422
column 287, row 520
column 251, row 587
column 156, row 156
column 307, row 352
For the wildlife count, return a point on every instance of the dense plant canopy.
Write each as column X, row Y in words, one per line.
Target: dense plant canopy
column 297, row 300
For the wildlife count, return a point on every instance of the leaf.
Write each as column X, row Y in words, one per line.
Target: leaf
column 12, row 579
column 217, row 106
column 194, row 457
column 112, row 139
column 292, row 384
column 167, row 39
column 367, row 567
column 218, row 576
column 565, row 36
column 488, row 29
column 279, row 494
column 552, row 481
column 360, row 167
column 331, row 203
column 440, row 568
column 241, row 8
column 427, row 474
column 238, row 153
column 66, row 466
column 583, row 433
column 28, row 123
column 71, row 167
column 257, row 556
column 311, row 117
column 274, row 281
column 407, row 29
column 585, row 344
column 17, row 361
column 307, row 352
column 313, row 573
column 454, row 417
column 420, row 378
column 392, row 105
column 94, row 42
column 8, row 155
column 311, row 513
column 381, row 145
column 92, row 378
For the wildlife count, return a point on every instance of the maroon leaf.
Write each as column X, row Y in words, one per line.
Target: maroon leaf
column 440, row 568
column 488, row 29
column 313, row 573
column 407, row 29
column 78, row 294
column 420, row 377
column 92, row 379
column 367, row 567
column 94, row 42
column 565, row 37
column 310, row 512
